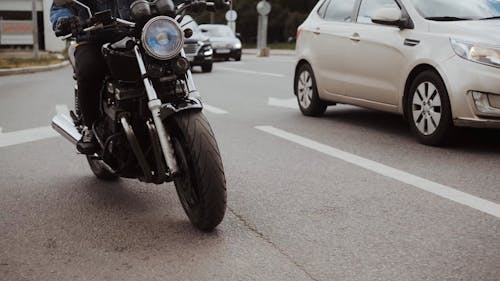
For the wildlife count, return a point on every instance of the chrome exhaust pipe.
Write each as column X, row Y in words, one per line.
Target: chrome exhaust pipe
column 66, row 128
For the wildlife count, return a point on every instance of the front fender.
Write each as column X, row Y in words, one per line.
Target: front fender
column 179, row 105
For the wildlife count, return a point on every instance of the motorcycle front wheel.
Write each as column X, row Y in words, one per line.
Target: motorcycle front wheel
column 201, row 183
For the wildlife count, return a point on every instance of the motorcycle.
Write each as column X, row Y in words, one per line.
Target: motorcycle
column 151, row 126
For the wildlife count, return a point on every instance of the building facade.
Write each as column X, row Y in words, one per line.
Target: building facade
column 15, row 15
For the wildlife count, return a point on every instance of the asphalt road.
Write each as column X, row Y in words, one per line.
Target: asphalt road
column 349, row 196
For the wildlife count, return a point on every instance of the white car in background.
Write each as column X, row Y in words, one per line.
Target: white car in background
column 437, row 62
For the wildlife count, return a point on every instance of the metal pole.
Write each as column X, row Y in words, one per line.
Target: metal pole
column 34, row 17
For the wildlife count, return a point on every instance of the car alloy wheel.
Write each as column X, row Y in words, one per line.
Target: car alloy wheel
column 305, row 89
column 426, row 108
column 307, row 92
column 429, row 110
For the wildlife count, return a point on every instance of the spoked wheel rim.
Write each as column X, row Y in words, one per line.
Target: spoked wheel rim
column 305, row 89
column 427, row 108
column 184, row 182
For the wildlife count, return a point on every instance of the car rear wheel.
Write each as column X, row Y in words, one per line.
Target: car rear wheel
column 207, row 67
column 429, row 109
column 306, row 91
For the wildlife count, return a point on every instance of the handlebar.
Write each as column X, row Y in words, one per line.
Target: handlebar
column 104, row 20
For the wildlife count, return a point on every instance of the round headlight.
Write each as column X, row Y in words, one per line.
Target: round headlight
column 162, row 38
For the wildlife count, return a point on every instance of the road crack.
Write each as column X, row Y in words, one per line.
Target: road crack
column 268, row 240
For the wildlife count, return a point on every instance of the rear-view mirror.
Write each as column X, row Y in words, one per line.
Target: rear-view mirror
column 390, row 16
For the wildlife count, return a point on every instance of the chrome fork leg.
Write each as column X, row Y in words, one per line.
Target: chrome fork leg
column 193, row 92
column 154, row 105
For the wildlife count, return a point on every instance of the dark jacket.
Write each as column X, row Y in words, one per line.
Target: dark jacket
column 119, row 8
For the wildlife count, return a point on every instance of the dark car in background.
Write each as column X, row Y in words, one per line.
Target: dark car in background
column 198, row 47
column 225, row 43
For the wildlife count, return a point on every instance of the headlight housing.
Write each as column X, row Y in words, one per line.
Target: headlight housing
column 162, row 38
column 237, row 45
column 484, row 54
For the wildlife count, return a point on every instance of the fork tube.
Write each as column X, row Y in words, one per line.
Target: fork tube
column 192, row 91
column 154, row 105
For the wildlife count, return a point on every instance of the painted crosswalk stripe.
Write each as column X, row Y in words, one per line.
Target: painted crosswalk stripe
column 443, row 191
column 62, row 109
column 251, row 72
column 213, row 109
column 24, row 136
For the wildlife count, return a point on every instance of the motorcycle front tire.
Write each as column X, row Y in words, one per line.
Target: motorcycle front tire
column 201, row 183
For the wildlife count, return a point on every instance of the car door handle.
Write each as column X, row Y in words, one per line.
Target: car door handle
column 317, row 31
column 355, row 37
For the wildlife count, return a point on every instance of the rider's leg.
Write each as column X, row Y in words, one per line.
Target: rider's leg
column 90, row 71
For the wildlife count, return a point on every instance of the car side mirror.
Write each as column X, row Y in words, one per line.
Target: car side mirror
column 390, row 16
column 238, row 35
column 60, row 3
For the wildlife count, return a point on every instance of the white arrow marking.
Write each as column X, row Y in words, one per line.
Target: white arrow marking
column 286, row 103
column 29, row 135
column 443, row 191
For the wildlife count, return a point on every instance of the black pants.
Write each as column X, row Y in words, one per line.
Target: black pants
column 90, row 70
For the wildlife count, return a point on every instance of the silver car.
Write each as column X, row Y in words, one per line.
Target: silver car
column 437, row 62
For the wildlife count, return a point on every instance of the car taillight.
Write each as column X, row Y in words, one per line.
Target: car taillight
column 298, row 34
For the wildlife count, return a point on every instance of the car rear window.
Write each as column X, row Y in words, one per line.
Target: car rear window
column 340, row 10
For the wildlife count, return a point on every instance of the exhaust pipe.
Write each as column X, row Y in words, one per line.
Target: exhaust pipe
column 66, row 128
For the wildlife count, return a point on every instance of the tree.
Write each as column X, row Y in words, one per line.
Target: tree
column 285, row 17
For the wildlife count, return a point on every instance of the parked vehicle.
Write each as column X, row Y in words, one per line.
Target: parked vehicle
column 437, row 62
column 151, row 126
column 198, row 47
column 225, row 42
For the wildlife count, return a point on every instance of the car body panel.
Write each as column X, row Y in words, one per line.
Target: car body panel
column 347, row 73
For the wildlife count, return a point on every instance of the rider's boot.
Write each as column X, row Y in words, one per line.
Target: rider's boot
column 87, row 144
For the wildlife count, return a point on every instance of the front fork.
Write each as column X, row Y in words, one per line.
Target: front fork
column 154, row 105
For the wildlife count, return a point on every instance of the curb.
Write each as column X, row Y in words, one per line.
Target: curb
column 274, row 52
column 32, row 69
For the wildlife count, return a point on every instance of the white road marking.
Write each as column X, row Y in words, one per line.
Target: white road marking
column 286, row 103
column 62, row 109
column 213, row 109
column 251, row 72
column 29, row 135
column 401, row 176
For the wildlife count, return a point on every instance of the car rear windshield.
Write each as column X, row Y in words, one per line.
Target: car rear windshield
column 222, row 31
column 452, row 10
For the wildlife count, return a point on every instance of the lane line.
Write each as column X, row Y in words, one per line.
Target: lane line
column 62, row 109
column 29, row 135
column 252, row 72
column 286, row 103
column 443, row 191
column 213, row 109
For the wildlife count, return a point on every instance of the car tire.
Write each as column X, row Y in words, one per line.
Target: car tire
column 237, row 58
column 207, row 67
column 429, row 110
column 306, row 91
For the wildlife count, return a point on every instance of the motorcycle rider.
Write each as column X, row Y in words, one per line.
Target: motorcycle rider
column 90, row 66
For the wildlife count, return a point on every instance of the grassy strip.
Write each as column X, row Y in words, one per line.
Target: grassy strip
column 7, row 63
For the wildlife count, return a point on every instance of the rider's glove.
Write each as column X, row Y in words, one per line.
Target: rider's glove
column 64, row 25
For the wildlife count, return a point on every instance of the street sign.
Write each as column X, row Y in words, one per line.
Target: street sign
column 231, row 15
column 16, row 32
column 264, row 8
